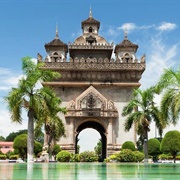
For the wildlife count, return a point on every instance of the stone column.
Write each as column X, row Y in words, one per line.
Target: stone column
column 71, row 131
column 110, row 132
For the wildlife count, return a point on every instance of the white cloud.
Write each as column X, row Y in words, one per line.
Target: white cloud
column 8, row 79
column 112, row 32
column 4, row 71
column 6, row 125
column 127, row 26
column 160, row 56
column 166, row 26
column 34, row 60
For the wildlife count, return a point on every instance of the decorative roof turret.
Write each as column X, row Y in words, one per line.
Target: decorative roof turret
column 90, row 44
column 126, row 45
column 90, row 21
column 56, row 43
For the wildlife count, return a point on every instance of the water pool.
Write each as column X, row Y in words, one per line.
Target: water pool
column 89, row 171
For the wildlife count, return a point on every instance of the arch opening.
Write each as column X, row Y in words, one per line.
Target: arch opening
column 88, row 139
column 99, row 128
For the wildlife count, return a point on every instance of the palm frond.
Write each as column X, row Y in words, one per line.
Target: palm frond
column 14, row 101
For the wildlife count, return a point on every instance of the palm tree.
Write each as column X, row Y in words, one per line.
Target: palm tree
column 29, row 97
column 53, row 125
column 141, row 111
column 169, row 84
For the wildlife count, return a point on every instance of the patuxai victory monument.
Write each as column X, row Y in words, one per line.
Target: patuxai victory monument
column 93, row 86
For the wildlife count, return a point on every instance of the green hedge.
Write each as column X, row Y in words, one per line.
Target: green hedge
column 88, row 156
column 163, row 156
column 14, row 157
column 126, row 155
column 75, row 158
column 129, row 145
column 138, row 156
column 2, row 156
column 63, row 156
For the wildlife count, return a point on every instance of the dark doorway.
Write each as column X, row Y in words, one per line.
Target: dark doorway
column 100, row 129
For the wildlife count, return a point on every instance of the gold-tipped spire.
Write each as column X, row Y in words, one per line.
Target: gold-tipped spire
column 57, row 36
column 90, row 12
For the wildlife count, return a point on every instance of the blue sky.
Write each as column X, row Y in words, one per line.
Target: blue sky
column 25, row 26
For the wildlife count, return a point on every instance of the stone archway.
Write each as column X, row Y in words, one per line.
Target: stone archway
column 91, row 123
column 90, row 109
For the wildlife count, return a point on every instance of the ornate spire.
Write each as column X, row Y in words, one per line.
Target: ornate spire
column 90, row 12
column 125, row 33
column 57, row 36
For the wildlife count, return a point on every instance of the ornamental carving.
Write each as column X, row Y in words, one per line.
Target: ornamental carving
column 91, row 103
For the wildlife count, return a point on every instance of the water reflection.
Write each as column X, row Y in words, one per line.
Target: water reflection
column 89, row 171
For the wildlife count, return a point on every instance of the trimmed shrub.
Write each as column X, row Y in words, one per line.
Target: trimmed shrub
column 63, row 156
column 9, row 153
column 113, row 157
column 129, row 145
column 138, row 156
column 126, row 155
column 171, row 143
column 88, row 156
column 1, row 151
column 37, row 148
column 107, row 160
column 2, row 156
column 14, row 157
column 56, row 149
column 163, row 156
column 178, row 157
column 75, row 158
column 154, row 148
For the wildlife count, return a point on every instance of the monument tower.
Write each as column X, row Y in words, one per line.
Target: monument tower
column 93, row 86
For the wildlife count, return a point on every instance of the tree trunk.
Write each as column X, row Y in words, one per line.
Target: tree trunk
column 145, row 145
column 174, row 157
column 49, row 147
column 30, row 139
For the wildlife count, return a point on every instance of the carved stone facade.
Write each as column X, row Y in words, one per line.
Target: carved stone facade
column 93, row 86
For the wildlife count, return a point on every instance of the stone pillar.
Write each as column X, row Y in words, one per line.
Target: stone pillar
column 110, row 132
column 71, row 131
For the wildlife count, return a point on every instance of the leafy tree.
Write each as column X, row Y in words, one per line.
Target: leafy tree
column 56, row 150
column 13, row 135
column 20, row 144
column 129, row 145
column 141, row 111
column 39, row 136
column 154, row 148
column 170, row 102
column 37, row 148
column 2, row 138
column 31, row 98
column 78, row 149
column 171, row 143
column 98, row 149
